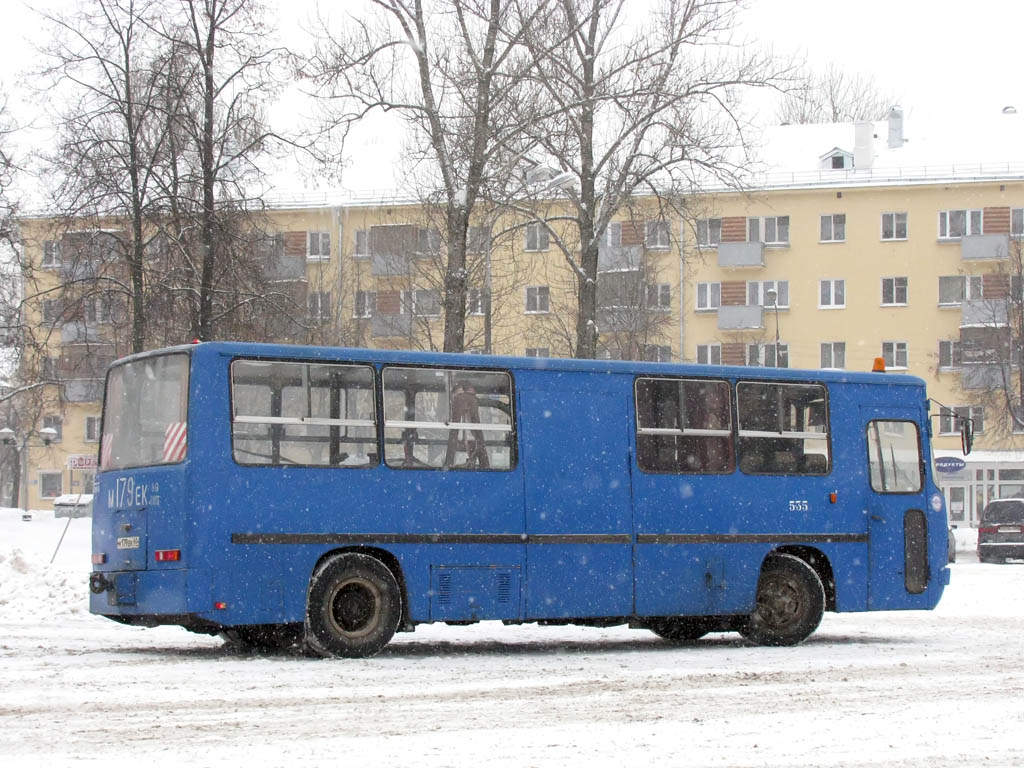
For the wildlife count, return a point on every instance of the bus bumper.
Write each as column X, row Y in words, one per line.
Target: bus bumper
column 150, row 592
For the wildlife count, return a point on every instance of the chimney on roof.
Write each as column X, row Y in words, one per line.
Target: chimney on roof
column 896, row 139
column 863, row 146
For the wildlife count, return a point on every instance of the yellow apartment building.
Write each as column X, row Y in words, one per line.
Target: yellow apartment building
column 851, row 242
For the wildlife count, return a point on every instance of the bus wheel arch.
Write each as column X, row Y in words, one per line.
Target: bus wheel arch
column 354, row 605
column 790, row 602
column 821, row 565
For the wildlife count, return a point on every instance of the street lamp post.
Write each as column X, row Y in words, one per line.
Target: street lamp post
column 773, row 297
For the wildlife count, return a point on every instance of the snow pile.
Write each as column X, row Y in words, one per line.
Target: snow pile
column 31, row 587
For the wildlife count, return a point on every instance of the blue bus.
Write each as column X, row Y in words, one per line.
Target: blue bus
column 331, row 497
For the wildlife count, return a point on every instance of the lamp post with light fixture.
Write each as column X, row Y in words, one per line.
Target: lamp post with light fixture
column 773, row 297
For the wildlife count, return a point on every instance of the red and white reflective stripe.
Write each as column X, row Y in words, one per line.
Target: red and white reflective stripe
column 174, row 441
column 105, row 451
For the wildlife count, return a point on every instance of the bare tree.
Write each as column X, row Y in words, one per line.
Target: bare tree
column 834, row 96
column 649, row 110
column 456, row 71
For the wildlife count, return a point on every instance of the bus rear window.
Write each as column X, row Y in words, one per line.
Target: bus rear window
column 145, row 412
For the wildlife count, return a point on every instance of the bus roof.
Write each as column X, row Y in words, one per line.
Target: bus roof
column 462, row 360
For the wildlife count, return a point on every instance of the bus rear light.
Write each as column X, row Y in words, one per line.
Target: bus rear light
column 220, row 606
column 99, row 558
column 167, row 555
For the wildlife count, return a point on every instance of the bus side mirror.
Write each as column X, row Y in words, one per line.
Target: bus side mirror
column 966, row 435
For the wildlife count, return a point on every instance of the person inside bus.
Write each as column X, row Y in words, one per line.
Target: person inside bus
column 464, row 408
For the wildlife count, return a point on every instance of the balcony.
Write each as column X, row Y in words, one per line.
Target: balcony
column 986, row 376
column 617, row 319
column 983, row 313
column 83, row 390
column 741, row 254
column 279, row 266
column 984, row 247
column 391, row 325
column 740, row 317
column 78, row 332
column 619, row 258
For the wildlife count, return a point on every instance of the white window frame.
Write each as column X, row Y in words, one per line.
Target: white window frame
column 974, row 222
column 758, row 229
column 709, row 301
column 538, row 233
column 538, row 352
column 949, row 418
column 971, row 287
column 364, row 303
column 658, row 235
column 538, row 295
column 1017, row 222
column 662, row 353
column 318, row 246
column 709, row 233
column 59, row 474
column 712, row 354
column 906, row 292
column 953, row 353
column 661, row 293
column 475, row 301
column 417, row 302
column 895, row 222
column 832, row 284
column 836, row 231
column 361, row 244
column 51, row 255
column 315, row 306
column 761, row 287
column 758, row 354
column 613, row 234
column 827, row 354
column 56, row 422
column 895, row 351
column 91, row 435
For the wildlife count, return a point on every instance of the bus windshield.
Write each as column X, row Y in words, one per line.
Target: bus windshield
column 144, row 413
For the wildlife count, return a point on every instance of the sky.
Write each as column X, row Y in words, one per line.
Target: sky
column 942, row 59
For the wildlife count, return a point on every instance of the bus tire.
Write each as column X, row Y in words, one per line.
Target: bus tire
column 353, row 607
column 679, row 628
column 790, row 603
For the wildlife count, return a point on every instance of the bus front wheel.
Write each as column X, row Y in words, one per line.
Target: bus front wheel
column 353, row 608
column 790, row 603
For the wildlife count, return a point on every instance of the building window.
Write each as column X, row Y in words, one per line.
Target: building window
column 50, row 484
column 709, row 354
column 361, row 247
column 709, row 233
column 613, row 235
column 52, row 310
column 955, row 289
column 757, row 292
column 949, row 354
column 318, row 246
column 365, row 304
column 657, row 353
column 658, row 235
column 319, row 306
column 895, row 354
column 538, row 352
column 429, row 241
column 767, row 356
column 894, row 226
column 426, row 303
column 951, row 418
column 659, row 296
column 833, row 354
column 832, row 294
column 833, row 228
column 478, row 239
column 51, row 254
column 957, row 223
column 475, row 304
column 92, row 429
column 1017, row 222
column 55, row 423
column 87, row 481
column 538, row 298
column 709, row 296
column 536, row 236
column 894, row 291
column 770, row 230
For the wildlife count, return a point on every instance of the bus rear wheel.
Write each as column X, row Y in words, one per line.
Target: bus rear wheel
column 353, row 608
column 790, row 603
column 679, row 628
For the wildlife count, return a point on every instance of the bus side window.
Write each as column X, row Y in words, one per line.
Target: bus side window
column 447, row 419
column 683, row 426
column 782, row 428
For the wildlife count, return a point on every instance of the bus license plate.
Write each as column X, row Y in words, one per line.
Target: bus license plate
column 128, row 542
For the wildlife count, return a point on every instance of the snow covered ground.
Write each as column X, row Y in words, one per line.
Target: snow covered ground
column 933, row 689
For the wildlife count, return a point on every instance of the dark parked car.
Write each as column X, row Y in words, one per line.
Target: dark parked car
column 1001, row 531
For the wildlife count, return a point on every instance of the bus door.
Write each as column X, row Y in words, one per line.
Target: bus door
column 897, row 528
column 575, row 452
